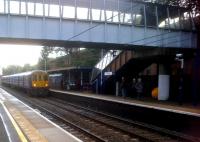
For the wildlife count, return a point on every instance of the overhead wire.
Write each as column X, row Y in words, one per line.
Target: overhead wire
column 131, row 42
column 99, row 24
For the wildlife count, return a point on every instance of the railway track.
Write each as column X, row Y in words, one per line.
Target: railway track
column 97, row 126
column 75, row 130
column 132, row 128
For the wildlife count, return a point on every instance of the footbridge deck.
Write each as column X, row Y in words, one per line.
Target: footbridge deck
column 96, row 23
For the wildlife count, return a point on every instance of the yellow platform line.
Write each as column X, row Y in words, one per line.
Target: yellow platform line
column 19, row 132
column 26, row 126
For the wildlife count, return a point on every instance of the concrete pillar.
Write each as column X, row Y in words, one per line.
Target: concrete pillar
column 163, row 83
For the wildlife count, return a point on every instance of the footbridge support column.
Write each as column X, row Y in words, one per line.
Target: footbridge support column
column 163, row 82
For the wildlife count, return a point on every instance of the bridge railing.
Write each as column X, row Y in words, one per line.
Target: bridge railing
column 105, row 11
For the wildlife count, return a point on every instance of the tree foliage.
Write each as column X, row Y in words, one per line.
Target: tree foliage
column 72, row 57
column 13, row 69
column 193, row 5
column 86, row 58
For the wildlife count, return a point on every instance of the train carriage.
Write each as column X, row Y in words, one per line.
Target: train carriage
column 34, row 82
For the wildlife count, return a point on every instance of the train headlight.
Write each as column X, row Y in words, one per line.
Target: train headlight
column 34, row 85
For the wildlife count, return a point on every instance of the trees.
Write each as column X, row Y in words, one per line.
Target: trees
column 194, row 5
column 84, row 58
column 13, row 69
column 88, row 57
column 42, row 62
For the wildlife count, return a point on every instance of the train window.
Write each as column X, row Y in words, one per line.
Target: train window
column 39, row 77
column 34, row 77
column 45, row 78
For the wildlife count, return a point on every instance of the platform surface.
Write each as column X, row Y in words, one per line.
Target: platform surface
column 187, row 108
column 3, row 133
column 29, row 125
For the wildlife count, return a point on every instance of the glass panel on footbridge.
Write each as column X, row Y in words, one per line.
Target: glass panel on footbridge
column 53, row 8
column 97, row 10
column 138, row 14
column 68, row 8
column 54, row 11
column 23, row 8
column 1, row 6
column 96, row 14
column 82, row 13
column 14, row 7
column 185, row 18
column 116, row 16
column 46, row 10
column 103, row 17
column 174, row 20
column 83, row 9
column 30, row 8
column 39, row 9
column 109, row 16
column 150, row 10
column 125, row 9
column 111, row 6
column 68, row 12
column 163, row 20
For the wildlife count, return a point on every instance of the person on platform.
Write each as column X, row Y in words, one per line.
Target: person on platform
column 139, row 87
column 180, row 91
column 123, row 87
column 133, row 89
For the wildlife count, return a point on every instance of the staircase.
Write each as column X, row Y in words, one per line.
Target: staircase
column 108, row 66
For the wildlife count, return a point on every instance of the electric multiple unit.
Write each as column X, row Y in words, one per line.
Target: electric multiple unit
column 34, row 82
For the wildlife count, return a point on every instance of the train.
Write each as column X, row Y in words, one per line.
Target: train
column 34, row 82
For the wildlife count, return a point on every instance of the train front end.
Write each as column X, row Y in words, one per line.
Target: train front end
column 39, row 83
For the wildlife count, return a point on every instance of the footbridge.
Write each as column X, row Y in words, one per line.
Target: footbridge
column 96, row 23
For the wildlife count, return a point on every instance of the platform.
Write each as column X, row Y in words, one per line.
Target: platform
column 188, row 109
column 162, row 114
column 20, row 123
column 7, row 131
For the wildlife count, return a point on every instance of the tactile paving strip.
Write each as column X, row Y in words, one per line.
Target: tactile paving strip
column 28, row 129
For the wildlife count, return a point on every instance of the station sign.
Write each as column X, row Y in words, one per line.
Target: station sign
column 108, row 73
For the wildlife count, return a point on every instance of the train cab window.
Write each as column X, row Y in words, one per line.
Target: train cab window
column 34, row 77
column 39, row 77
column 45, row 77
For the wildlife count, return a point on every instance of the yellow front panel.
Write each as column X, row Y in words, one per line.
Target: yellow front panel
column 39, row 80
column 40, row 84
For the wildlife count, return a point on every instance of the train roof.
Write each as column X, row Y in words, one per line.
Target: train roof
column 24, row 73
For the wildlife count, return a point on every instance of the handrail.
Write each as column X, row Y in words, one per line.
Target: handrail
column 104, row 62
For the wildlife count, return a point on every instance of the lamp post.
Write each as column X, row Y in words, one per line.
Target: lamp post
column 45, row 64
column 45, row 55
